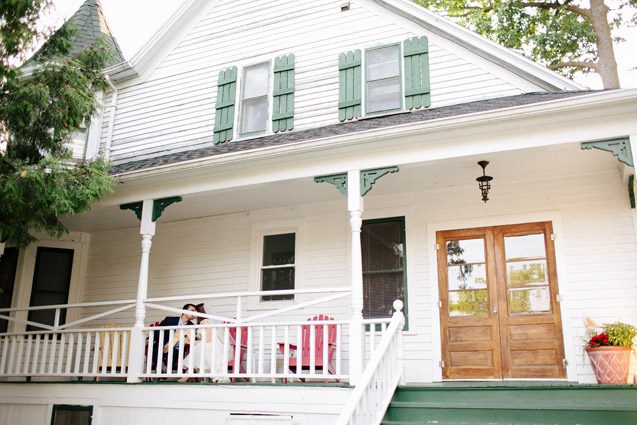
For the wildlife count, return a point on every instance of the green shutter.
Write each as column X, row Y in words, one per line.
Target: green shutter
column 417, row 91
column 224, row 115
column 283, row 94
column 349, row 76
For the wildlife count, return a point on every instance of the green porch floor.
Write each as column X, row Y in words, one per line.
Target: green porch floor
column 519, row 403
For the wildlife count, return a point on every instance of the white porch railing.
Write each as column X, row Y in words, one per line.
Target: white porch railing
column 371, row 396
column 268, row 348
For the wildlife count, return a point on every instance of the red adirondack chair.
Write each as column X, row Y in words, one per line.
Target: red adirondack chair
column 303, row 358
column 242, row 350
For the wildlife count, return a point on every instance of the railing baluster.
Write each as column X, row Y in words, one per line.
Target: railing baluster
column 325, row 348
column 114, row 336
column 5, row 348
column 236, row 368
column 27, row 357
column 69, row 353
column 12, row 354
column 372, row 340
column 299, row 350
column 226, row 347
column 36, row 354
column 160, row 352
column 78, row 353
column 96, row 353
column 87, row 353
column 54, row 342
column 286, row 349
column 60, row 356
column 149, row 352
column 249, row 349
column 191, row 339
column 202, row 345
column 339, row 331
column 261, row 349
column 180, row 354
column 19, row 359
column 106, row 345
column 124, row 351
column 312, row 349
column 274, row 352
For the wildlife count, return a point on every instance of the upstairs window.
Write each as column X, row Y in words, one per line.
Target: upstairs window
column 382, row 79
column 254, row 99
column 277, row 270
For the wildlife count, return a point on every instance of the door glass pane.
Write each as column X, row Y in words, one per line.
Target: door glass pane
column 465, row 251
column 526, row 273
column 51, row 281
column 254, row 115
column 383, row 63
column 383, row 95
column 529, row 300
column 383, row 251
column 526, row 246
column 467, row 276
column 469, row 303
column 8, row 265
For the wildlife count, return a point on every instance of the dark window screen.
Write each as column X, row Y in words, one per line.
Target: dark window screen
column 8, row 266
column 277, row 272
column 51, row 281
column 72, row 415
column 383, row 250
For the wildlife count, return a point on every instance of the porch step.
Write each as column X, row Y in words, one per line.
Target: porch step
column 521, row 403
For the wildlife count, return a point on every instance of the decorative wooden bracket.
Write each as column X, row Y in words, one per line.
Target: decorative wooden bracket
column 159, row 205
column 338, row 180
column 136, row 207
column 618, row 147
column 368, row 178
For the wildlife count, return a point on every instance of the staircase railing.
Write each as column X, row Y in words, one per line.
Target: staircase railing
column 371, row 396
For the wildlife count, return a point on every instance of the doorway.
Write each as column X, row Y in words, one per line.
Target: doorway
column 499, row 303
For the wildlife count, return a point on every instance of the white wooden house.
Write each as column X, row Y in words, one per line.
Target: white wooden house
column 328, row 150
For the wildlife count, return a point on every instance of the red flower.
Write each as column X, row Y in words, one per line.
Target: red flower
column 599, row 340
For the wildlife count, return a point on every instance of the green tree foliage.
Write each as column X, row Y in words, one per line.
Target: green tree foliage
column 566, row 35
column 39, row 111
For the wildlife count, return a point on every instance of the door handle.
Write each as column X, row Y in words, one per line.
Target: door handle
column 495, row 311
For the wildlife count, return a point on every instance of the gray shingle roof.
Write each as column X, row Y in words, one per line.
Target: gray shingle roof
column 381, row 122
column 90, row 23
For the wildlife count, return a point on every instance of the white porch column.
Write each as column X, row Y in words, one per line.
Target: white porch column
column 355, row 208
column 136, row 356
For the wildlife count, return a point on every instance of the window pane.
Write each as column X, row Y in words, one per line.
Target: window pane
column 383, row 63
column 380, row 291
column 278, row 249
column 527, row 246
column 469, row 303
column 383, row 95
column 532, row 300
column 277, row 280
column 465, row 251
column 382, row 246
column 63, row 415
column 256, row 81
column 254, row 115
column 468, row 276
column 526, row 273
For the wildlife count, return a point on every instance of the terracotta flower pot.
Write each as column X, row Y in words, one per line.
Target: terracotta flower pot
column 610, row 364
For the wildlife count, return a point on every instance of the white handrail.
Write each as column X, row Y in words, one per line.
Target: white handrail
column 379, row 379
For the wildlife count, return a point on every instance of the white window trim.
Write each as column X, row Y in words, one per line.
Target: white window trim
column 239, row 101
column 258, row 233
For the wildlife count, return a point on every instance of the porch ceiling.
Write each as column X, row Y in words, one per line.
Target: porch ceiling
column 538, row 163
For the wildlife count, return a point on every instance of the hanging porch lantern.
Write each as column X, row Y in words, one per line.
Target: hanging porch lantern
column 484, row 181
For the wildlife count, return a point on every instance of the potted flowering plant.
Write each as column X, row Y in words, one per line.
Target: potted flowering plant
column 609, row 350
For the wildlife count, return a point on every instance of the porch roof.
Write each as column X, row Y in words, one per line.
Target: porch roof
column 361, row 125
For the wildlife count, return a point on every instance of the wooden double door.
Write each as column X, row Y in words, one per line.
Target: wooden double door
column 499, row 304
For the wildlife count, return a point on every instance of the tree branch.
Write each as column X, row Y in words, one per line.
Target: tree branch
column 575, row 9
column 574, row 64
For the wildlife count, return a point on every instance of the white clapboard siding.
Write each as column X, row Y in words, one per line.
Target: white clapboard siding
column 596, row 270
column 172, row 108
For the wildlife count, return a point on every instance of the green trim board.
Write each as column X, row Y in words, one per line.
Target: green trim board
column 283, row 94
column 349, row 85
column 631, row 190
column 71, row 408
column 224, row 108
column 417, row 81
column 618, row 147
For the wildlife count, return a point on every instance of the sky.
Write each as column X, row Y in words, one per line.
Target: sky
column 134, row 22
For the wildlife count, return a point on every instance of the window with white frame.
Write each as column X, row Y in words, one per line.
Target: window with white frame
column 382, row 79
column 278, row 265
column 254, row 99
